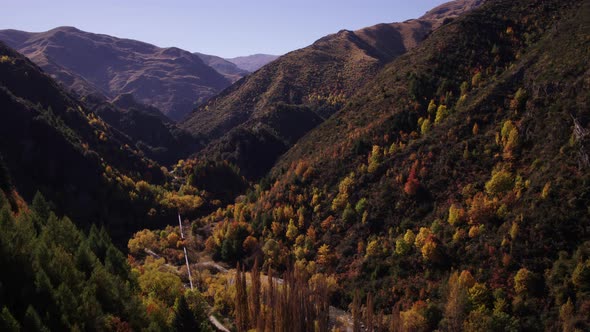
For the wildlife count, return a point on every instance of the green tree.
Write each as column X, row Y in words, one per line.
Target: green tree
column 501, row 182
column 375, row 159
column 479, row 295
column 32, row 321
column 184, row 318
column 348, row 215
column 41, row 209
column 292, row 230
column 519, row 101
column 198, row 306
column 160, row 284
column 361, row 205
column 402, row 247
column 8, row 322
column 344, row 190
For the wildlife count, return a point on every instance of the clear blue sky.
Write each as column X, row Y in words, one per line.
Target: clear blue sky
column 226, row 28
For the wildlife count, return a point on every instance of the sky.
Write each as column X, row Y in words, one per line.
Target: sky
column 226, row 28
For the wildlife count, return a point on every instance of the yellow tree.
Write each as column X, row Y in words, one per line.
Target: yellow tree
column 456, row 303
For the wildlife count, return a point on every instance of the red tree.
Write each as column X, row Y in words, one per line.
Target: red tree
column 412, row 184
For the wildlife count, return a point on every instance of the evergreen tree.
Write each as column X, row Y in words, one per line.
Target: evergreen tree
column 184, row 319
column 32, row 321
column 41, row 209
column 7, row 322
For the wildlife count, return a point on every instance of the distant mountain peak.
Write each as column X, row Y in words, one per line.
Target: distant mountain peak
column 65, row 29
column 252, row 62
column 451, row 9
column 171, row 79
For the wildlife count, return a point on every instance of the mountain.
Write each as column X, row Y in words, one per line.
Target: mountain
column 173, row 80
column 228, row 69
column 149, row 129
column 451, row 9
column 451, row 191
column 252, row 63
column 440, row 182
column 258, row 118
column 89, row 170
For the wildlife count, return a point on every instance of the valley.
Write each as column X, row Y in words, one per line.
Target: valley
column 425, row 175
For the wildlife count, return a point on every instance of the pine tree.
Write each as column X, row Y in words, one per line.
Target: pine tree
column 184, row 319
column 8, row 322
column 32, row 321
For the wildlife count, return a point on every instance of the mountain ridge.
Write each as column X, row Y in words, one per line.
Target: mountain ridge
column 224, row 67
column 90, row 63
column 312, row 83
column 253, row 62
column 452, row 190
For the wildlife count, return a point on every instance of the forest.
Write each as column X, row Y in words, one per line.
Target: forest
column 450, row 191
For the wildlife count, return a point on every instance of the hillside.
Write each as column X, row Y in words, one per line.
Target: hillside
column 150, row 131
column 172, row 80
column 257, row 119
column 226, row 68
column 429, row 175
column 58, row 277
column 53, row 143
column 252, row 63
column 451, row 192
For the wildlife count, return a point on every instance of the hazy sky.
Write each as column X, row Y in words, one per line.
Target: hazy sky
column 221, row 27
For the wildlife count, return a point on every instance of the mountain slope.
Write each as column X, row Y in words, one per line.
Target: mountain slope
column 228, row 69
column 453, row 187
column 59, row 277
column 54, row 144
column 149, row 129
column 252, row 63
column 173, row 80
column 260, row 117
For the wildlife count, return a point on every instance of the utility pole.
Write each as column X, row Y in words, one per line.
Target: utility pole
column 188, row 267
